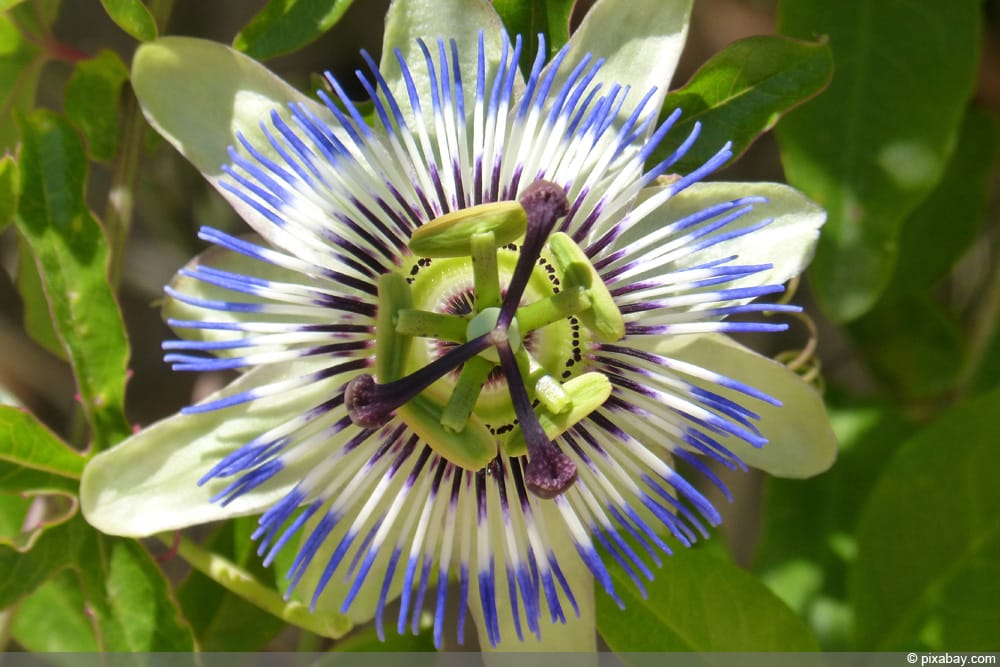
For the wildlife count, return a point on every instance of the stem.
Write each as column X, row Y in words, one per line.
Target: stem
column 240, row 582
column 983, row 331
column 6, row 627
column 121, row 196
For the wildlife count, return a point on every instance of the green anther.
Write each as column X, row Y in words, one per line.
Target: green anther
column 603, row 318
column 451, row 234
column 391, row 347
column 427, row 324
column 543, row 312
column 548, row 390
column 485, row 273
column 466, row 393
column 472, row 449
column 588, row 392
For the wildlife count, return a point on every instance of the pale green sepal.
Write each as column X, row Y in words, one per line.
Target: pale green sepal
column 149, row 483
column 787, row 243
column 800, row 442
column 200, row 94
column 459, row 20
column 577, row 635
column 641, row 42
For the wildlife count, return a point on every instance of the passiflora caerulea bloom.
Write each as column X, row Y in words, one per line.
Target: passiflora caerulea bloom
column 477, row 328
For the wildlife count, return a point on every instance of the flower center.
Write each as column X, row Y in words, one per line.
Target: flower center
column 476, row 369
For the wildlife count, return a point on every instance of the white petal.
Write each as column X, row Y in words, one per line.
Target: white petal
column 149, row 483
column 800, row 440
column 641, row 42
column 787, row 243
column 200, row 95
column 461, row 20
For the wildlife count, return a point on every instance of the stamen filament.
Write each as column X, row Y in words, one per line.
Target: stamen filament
column 428, row 324
column 465, row 394
column 485, row 274
column 552, row 309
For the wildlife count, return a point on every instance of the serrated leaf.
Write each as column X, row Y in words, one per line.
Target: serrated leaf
column 133, row 17
column 8, row 190
column 698, row 602
column 741, row 92
column 20, row 64
column 22, row 573
column 943, row 227
column 71, row 253
column 528, row 18
column 929, row 540
column 92, row 102
column 876, row 142
column 284, row 26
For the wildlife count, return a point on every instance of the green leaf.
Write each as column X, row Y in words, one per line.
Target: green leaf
column 912, row 344
column 20, row 64
column 528, row 18
column 92, row 102
column 741, row 93
column 37, row 318
column 24, row 518
column 223, row 621
column 929, row 540
column 698, row 602
column 126, row 594
column 54, row 618
column 958, row 203
column 70, row 251
column 26, row 443
column 8, row 190
column 132, row 17
column 284, row 26
column 807, row 544
column 7, row 4
column 874, row 144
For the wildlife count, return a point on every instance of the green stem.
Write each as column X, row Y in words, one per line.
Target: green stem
column 240, row 582
column 121, row 196
column 6, row 627
column 983, row 331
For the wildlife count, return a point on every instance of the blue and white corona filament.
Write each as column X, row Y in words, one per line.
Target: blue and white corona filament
column 468, row 334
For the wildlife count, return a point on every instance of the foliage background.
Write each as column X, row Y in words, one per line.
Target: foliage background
column 896, row 548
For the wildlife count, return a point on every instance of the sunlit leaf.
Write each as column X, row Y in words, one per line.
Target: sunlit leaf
column 929, row 540
column 528, row 18
column 125, row 592
column 132, row 17
column 70, row 251
column 741, row 93
column 874, row 144
column 284, row 26
column 36, row 317
column 92, row 102
column 26, row 517
column 26, row 444
column 698, row 602
column 20, row 64
column 54, row 618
